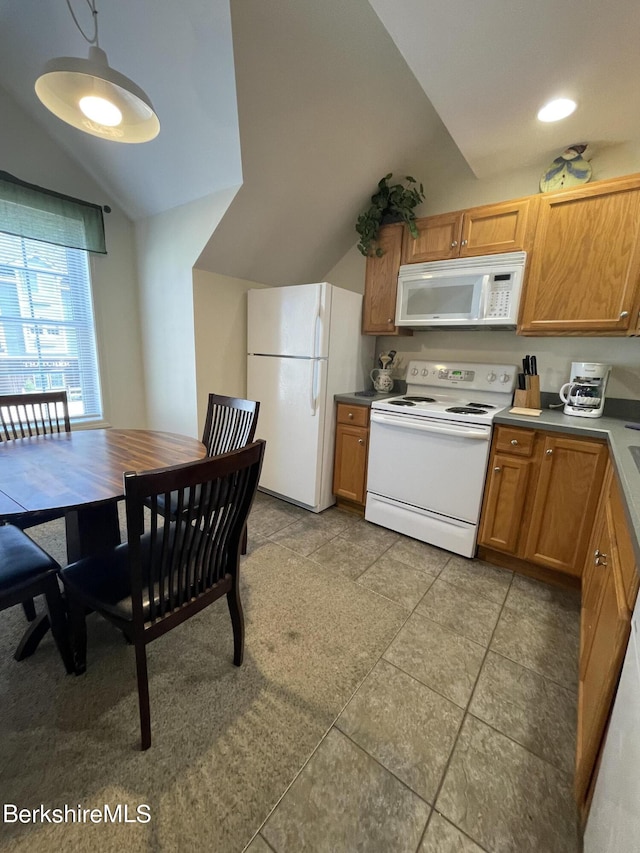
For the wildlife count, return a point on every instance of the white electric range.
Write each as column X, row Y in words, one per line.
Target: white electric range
column 428, row 451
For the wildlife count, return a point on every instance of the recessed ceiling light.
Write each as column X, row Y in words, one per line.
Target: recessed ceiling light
column 555, row 110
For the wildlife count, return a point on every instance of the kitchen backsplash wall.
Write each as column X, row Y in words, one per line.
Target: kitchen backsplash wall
column 554, row 355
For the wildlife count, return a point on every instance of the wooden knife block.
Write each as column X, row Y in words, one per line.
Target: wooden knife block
column 530, row 398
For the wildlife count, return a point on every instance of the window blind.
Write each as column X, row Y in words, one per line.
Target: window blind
column 47, row 337
column 27, row 210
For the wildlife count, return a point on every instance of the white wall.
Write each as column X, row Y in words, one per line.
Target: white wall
column 168, row 246
column 27, row 152
column 220, row 322
column 348, row 272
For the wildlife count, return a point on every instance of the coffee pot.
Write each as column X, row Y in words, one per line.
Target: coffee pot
column 583, row 396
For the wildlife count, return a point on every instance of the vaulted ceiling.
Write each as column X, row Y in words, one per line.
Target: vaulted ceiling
column 312, row 102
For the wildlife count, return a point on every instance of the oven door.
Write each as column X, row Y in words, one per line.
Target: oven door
column 434, row 465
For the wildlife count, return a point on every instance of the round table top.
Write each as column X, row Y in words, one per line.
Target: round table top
column 85, row 467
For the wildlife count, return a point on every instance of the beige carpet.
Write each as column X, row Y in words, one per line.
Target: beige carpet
column 226, row 741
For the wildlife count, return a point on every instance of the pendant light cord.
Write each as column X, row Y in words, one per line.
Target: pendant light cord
column 92, row 6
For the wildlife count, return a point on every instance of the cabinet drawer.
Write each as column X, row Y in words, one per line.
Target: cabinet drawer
column 515, row 441
column 357, row 415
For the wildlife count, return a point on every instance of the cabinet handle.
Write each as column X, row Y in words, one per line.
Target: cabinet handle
column 361, row 441
column 454, row 243
column 464, row 243
column 350, row 416
column 597, row 553
column 497, row 470
column 624, row 314
column 549, row 452
column 390, row 320
column 514, row 441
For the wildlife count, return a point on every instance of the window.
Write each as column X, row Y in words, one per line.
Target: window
column 47, row 336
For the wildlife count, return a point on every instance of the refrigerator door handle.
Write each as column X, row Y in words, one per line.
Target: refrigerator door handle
column 316, row 323
column 312, row 388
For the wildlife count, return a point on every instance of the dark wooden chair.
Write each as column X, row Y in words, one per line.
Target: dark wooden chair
column 26, row 570
column 230, row 424
column 23, row 416
column 157, row 579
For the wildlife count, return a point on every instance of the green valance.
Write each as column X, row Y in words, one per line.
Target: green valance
column 30, row 211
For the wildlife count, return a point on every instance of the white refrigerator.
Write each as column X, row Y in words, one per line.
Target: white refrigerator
column 304, row 346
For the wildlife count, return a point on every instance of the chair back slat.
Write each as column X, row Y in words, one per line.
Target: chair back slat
column 230, row 424
column 26, row 415
column 176, row 562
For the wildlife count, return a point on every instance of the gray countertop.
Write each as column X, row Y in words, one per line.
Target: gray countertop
column 353, row 400
column 619, row 439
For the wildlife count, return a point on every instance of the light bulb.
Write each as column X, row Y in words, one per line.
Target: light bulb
column 555, row 110
column 100, row 110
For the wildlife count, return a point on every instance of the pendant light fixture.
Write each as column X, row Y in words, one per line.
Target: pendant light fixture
column 91, row 96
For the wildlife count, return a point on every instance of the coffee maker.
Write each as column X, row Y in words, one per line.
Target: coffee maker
column 583, row 395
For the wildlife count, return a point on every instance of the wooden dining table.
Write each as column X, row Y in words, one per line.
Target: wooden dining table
column 80, row 473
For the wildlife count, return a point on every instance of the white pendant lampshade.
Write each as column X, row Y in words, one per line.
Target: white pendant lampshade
column 92, row 96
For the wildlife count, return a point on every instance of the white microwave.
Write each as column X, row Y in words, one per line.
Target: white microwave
column 472, row 293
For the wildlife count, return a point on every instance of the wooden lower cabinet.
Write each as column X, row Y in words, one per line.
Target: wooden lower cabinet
column 609, row 588
column 350, row 462
column 504, row 503
column 540, row 500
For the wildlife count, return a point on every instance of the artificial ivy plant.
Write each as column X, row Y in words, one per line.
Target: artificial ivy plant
column 392, row 204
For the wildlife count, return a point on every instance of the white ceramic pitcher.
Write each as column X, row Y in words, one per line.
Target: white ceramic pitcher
column 382, row 379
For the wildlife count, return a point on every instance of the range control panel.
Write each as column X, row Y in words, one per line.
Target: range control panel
column 476, row 377
column 456, row 375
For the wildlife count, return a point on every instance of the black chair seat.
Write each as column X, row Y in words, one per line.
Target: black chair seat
column 104, row 582
column 21, row 560
column 25, row 571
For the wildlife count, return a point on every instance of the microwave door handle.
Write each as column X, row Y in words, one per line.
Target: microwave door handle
column 484, row 297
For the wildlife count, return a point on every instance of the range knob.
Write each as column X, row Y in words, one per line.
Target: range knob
column 414, row 371
column 425, row 372
column 505, row 378
column 491, row 377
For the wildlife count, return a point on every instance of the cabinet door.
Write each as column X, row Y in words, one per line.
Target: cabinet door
column 438, row 239
column 506, row 491
column 585, row 266
column 564, row 506
column 605, row 628
column 381, row 285
column 495, row 228
column 350, row 465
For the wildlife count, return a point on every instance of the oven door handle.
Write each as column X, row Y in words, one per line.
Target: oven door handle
column 430, row 426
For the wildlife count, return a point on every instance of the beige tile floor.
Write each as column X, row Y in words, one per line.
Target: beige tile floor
column 461, row 736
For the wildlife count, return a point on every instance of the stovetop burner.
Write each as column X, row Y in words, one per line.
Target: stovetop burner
column 481, row 405
column 420, row 399
column 403, row 402
column 464, row 410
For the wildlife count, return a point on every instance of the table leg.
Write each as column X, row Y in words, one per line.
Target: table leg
column 92, row 530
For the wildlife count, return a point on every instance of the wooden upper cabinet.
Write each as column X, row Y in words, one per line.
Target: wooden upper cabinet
column 381, row 285
column 495, row 228
column 584, row 272
column 438, row 239
column 486, row 230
